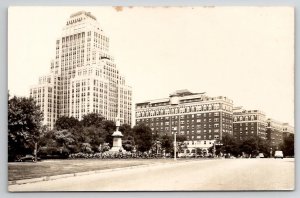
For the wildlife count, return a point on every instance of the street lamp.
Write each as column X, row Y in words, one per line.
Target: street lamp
column 175, row 145
column 175, row 128
column 271, row 152
column 35, row 152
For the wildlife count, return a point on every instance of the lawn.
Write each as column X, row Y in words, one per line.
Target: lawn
column 28, row 170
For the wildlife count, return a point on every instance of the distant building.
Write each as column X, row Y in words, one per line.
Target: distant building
column 83, row 77
column 191, row 146
column 276, row 131
column 202, row 119
column 287, row 130
column 248, row 123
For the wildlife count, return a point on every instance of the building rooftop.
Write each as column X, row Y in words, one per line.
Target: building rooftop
column 240, row 110
column 183, row 92
column 88, row 14
column 182, row 96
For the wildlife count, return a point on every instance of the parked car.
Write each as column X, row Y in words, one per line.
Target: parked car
column 191, row 155
column 181, row 155
column 27, row 158
column 278, row 154
column 260, row 155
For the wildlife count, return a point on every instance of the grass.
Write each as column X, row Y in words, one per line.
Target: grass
column 28, row 170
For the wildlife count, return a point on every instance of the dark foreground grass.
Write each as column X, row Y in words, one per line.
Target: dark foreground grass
column 28, row 170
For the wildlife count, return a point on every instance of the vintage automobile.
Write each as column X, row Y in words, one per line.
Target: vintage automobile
column 27, row 158
column 278, row 154
column 260, row 155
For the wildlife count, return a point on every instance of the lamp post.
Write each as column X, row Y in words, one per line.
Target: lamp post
column 175, row 143
column 156, row 142
column 214, row 150
column 35, row 152
column 175, row 146
column 271, row 152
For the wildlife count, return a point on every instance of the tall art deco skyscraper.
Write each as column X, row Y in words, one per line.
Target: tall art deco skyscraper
column 83, row 76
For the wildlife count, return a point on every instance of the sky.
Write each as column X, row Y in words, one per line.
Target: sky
column 244, row 53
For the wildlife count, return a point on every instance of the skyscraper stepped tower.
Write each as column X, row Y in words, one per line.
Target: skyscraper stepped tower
column 83, row 76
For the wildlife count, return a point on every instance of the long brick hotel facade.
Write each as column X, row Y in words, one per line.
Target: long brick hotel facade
column 197, row 116
column 204, row 120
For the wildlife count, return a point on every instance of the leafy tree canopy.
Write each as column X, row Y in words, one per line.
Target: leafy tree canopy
column 288, row 145
column 65, row 122
column 167, row 143
column 143, row 137
column 24, row 124
column 126, row 130
column 92, row 119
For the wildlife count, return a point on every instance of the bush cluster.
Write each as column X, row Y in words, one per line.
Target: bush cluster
column 109, row 155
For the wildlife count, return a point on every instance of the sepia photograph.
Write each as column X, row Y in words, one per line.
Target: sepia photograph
column 107, row 98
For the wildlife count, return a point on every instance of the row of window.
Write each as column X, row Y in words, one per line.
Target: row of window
column 177, row 110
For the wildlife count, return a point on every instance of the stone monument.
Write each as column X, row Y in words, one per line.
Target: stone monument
column 117, row 140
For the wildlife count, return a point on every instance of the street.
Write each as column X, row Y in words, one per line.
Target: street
column 198, row 175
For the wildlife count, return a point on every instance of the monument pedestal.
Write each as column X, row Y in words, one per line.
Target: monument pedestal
column 117, row 142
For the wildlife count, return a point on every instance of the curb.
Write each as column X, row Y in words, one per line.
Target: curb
column 54, row 177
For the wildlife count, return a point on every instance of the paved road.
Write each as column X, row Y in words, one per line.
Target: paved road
column 200, row 175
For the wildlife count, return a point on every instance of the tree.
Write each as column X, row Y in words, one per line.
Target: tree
column 109, row 127
column 126, row 130
column 64, row 138
column 86, row 148
column 143, row 137
column 230, row 145
column 92, row 119
column 94, row 136
column 24, row 124
column 180, row 138
column 128, row 139
column 228, row 139
column 65, row 122
column 167, row 143
column 263, row 146
column 250, row 146
column 57, row 143
column 288, row 145
column 128, row 143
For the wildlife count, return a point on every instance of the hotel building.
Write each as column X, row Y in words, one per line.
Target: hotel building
column 276, row 131
column 248, row 123
column 83, row 76
column 202, row 119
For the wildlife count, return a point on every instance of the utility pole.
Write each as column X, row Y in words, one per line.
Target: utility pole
column 156, row 141
column 175, row 143
column 214, row 151
column 175, row 146
column 35, row 152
